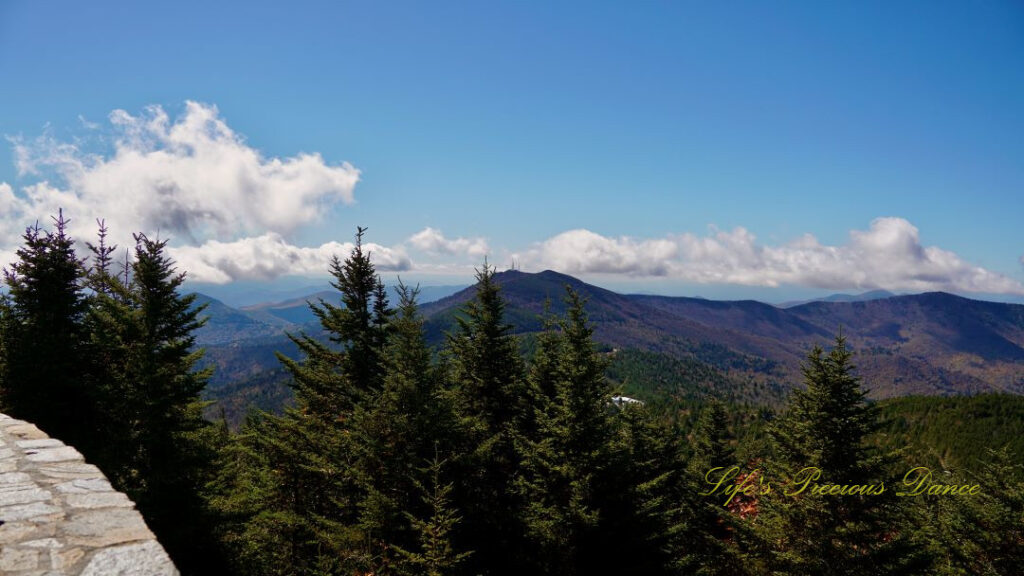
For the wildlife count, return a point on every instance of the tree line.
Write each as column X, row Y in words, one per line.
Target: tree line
column 100, row 354
column 477, row 458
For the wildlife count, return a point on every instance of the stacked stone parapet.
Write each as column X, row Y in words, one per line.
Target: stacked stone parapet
column 60, row 516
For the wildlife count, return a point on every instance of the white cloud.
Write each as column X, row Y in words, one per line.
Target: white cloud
column 87, row 124
column 191, row 178
column 10, row 233
column 269, row 256
column 433, row 241
column 583, row 251
column 230, row 211
column 888, row 255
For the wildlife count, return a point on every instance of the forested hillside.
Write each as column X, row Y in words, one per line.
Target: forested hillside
column 926, row 344
column 492, row 447
column 953, row 433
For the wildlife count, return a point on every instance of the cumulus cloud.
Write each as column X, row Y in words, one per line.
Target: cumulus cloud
column 268, row 256
column 232, row 211
column 433, row 241
column 192, row 178
column 888, row 255
column 583, row 251
column 10, row 204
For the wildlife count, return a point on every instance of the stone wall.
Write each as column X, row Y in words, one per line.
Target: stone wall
column 60, row 516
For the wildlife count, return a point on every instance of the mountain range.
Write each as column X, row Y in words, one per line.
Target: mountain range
column 932, row 343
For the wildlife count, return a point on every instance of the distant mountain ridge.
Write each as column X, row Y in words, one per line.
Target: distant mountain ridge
column 933, row 343
column 296, row 310
column 241, row 342
column 864, row 297
column 226, row 324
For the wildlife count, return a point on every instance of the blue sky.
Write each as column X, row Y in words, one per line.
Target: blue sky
column 765, row 150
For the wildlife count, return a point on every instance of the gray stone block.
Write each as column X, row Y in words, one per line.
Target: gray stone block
column 145, row 559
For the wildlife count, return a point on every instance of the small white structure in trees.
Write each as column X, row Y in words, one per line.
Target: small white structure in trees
column 620, row 401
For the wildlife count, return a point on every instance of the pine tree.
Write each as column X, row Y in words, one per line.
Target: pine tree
column 435, row 554
column 43, row 334
column 713, row 534
column 113, row 345
column 712, row 442
column 826, row 427
column 981, row 533
column 565, row 465
column 402, row 425
column 308, row 522
column 175, row 443
column 645, row 504
column 490, row 395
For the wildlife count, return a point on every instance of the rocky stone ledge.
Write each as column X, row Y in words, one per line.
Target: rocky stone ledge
column 60, row 516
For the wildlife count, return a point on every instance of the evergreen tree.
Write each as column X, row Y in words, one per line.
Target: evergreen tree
column 175, row 443
column 490, row 395
column 543, row 374
column 113, row 373
column 5, row 319
column 712, row 442
column 714, row 534
column 43, row 380
column 308, row 521
column 360, row 325
column 645, row 508
column 113, row 346
column 402, row 425
column 156, row 445
column 255, row 522
column 330, row 381
column 1000, row 514
column 99, row 277
column 436, row 554
column 826, row 427
column 565, row 466
column 981, row 533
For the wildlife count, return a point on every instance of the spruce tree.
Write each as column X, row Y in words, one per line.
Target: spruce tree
column 360, row 325
column 100, row 275
column 254, row 520
column 43, row 381
column 712, row 442
column 308, row 521
column 565, row 466
column 5, row 319
column 999, row 513
column 401, row 426
column 175, row 443
column 114, row 341
column 435, row 554
column 645, row 504
column 713, row 534
column 981, row 533
column 486, row 374
column 826, row 427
